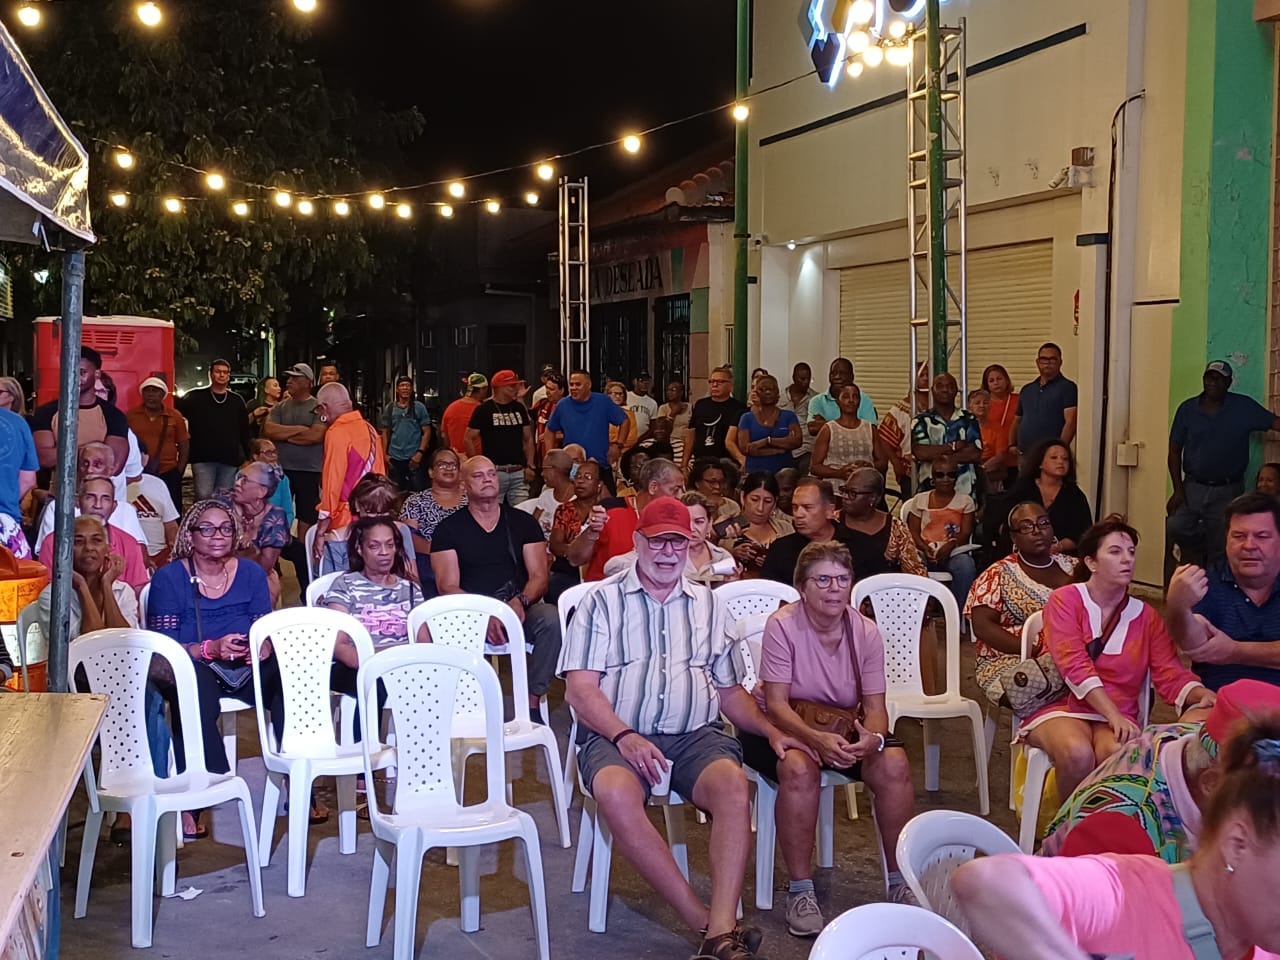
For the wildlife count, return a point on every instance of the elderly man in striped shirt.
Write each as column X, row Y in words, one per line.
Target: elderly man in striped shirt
column 650, row 666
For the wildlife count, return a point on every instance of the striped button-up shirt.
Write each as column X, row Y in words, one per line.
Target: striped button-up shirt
column 660, row 662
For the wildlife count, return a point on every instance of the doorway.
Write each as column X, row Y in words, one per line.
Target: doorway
column 671, row 319
column 619, row 341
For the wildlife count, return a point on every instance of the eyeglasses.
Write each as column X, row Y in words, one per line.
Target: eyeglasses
column 712, row 481
column 249, row 479
column 851, row 494
column 719, row 380
column 667, row 544
column 227, row 529
column 824, row 580
column 953, row 474
column 1031, row 526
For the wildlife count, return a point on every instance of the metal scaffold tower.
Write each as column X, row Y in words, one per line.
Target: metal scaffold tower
column 575, row 252
column 937, row 199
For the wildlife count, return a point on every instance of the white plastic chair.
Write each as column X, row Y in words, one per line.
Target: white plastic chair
column 1038, row 762
column 934, row 843
column 891, row 931
column 899, row 602
column 425, row 685
column 565, row 606
column 746, row 597
column 461, row 621
column 28, row 618
column 302, row 642
column 317, row 587
column 116, row 662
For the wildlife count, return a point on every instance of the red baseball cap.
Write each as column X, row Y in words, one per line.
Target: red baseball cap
column 1237, row 703
column 505, row 378
column 1107, row 831
column 665, row 515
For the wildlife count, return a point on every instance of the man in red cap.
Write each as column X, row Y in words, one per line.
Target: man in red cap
column 1159, row 783
column 649, row 666
column 503, row 428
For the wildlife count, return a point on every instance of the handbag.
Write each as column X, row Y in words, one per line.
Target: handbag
column 1034, row 683
column 823, row 716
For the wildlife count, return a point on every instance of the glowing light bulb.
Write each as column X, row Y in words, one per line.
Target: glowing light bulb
column 873, row 56
column 740, row 112
column 377, row 201
column 404, row 211
column 493, row 206
column 28, row 15
column 546, row 171
column 897, row 29
column 457, row 190
column 898, row 56
column 306, row 207
column 631, row 143
column 149, row 14
column 858, row 41
column 531, row 198
column 282, row 198
column 173, row 204
column 306, row 6
column 120, row 199
column 862, row 11
column 855, row 68
column 240, row 208
column 342, row 208
column 791, row 244
column 446, row 211
column 124, row 160
column 216, row 181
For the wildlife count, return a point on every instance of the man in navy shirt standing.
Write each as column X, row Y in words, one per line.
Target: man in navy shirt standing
column 1227, row 619
column 1047, row 406
column 584, row 418
column 1208, row 457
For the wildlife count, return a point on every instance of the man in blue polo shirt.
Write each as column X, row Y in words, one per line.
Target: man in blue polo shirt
column 1227, row 619
column 1047, row 406
column 584, row 418
column 824, row 407
column 1208, row 457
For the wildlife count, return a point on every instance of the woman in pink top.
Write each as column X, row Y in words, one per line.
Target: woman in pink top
column 808, row 653
column 1105, row 643
column 1064, row 908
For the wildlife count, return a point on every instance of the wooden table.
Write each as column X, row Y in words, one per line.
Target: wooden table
column 44, row 739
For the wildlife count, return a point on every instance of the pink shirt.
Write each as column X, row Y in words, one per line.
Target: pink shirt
column 1115, row 904
column 791, row 653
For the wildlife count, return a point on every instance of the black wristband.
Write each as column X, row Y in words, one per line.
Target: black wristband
column 619, row 736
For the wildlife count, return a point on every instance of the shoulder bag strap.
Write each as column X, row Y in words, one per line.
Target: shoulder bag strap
column 1196, row 928
column 853, row 659
column 195, row 599
column 1095, row 646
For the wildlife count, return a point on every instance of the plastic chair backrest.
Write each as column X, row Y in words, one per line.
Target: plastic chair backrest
column 116, row 662
column 144, row 596
column 893, row 931
column 26, row 651
column 745, row 597
column 899, row 601
column 309, row 542
column 934, row 843
column 570, row 600
column 424, row 682
column 751, row 637
column 461, row 621
column 317, row 587
column 302, row 642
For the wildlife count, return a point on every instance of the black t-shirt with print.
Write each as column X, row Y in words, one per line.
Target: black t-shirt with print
column 711, row 420
column 501, row 427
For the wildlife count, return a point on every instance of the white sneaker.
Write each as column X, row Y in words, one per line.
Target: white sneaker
column 804, row 917
column 902, row 893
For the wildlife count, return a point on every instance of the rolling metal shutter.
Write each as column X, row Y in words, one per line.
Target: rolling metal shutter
column 1010, row 305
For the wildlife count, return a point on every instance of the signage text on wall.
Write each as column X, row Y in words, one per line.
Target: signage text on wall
column 641, row 275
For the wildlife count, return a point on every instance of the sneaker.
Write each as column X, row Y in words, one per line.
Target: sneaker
column 902, row 893
column 726, row 946
column 749, row 937
column 804, row 918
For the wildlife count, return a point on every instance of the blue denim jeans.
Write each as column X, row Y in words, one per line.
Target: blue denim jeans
column 512, row 487
column 209, row 478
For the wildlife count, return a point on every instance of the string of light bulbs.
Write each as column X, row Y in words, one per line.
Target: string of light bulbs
column 150, row 13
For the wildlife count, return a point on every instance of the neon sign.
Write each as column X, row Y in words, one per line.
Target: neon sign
column 830, row 22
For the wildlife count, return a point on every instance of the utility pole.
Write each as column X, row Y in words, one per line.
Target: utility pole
column 739, row 358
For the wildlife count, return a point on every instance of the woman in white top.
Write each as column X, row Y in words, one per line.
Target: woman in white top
column 847, row 443
column 941, row 522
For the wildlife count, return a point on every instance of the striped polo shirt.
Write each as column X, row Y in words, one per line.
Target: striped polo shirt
column 660, row 662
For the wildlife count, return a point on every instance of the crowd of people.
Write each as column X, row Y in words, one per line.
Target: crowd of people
column 520, row 494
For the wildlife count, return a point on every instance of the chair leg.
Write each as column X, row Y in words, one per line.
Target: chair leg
column 227, row 727
column 851, row 800
column 552, row 754
column 766, row 841
column 586, row 842
column 980, row 758
column 346, row 789
column 299, row 827
column 270, row 811
column 167, row 853
column 932, row 755
column 674, row 817
column 537, row 888
column 382, row 856
column 88, row 849
column 826, row 827
column 1032, row 791
column 1014, row 752
column 143, row 843
column 245, row 805
column 601, row 859
column 468, row 888
column 408, row 877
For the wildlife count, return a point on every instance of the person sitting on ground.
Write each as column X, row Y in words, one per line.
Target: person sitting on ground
column 1227, row 619
column 821, row 652
column 813, row 511
column 1104, row 643
column 557, row 489
column 847, row 443
column 941, row 522
column 97, row 498
column 495, row 551
column 206, row 599
column 878, row 541
column 1162, row 782
column 759, row 524
column 264, row 532
column 649, row 715
column 1268, row 479
column 1011, row 590
column 1037, row 908
column 1050, row 479
column 709, row 478
column 706, row 562
column 765, row 435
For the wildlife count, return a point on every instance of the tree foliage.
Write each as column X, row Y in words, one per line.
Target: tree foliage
column 224, row 86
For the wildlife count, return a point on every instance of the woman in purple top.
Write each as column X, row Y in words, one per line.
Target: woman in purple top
column 822, row 650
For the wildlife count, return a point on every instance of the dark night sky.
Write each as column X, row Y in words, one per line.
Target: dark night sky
column 508, row 81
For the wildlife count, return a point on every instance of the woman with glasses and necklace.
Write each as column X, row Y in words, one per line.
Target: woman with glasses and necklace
column 941, row 522
column 264, row 530
column 422, row 512
column 206, row 599
column 817, row 655
column 1011, row 590
column 878, row 542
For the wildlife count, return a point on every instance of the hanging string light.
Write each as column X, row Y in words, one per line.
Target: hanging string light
column 404, row 211
column 377, row 201
column 305, row 6
column 457, row 190
column 306, row 208
column 283, row 199
column 172, row 205
column 216, row 181
column 124, row 159
column 531, row 198
column 446, row 211
column 342, row 208
column 29, row 15
column 546, row 171
column 740, row 112
column 493, row 206
column 631, row 143
column 149, row 14
column 240, row 208
column 119, row 199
